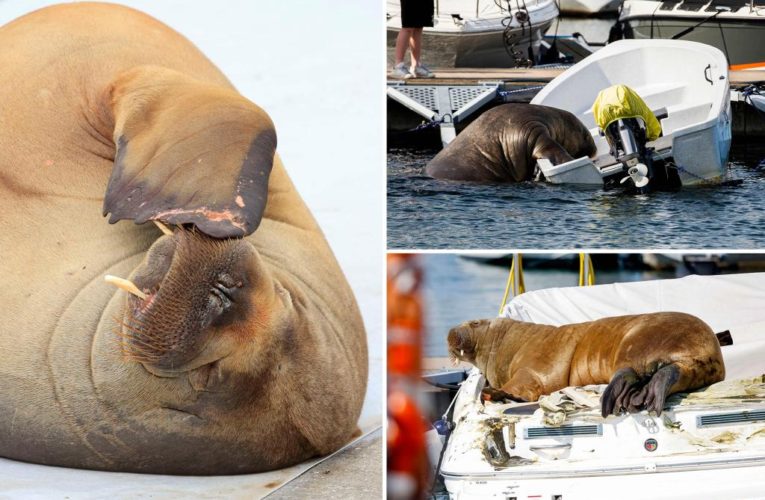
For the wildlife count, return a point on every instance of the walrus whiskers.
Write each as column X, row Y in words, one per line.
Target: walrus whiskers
column 126, row 285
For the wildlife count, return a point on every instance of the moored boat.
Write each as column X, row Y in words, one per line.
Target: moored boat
column 683, row 85
column 479, row 33
column 708, row 443
column 589, row 7
column 736, row 27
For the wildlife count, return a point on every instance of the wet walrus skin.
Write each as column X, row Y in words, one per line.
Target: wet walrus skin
column 249, row 353
column 504, row 144
column 643, row 358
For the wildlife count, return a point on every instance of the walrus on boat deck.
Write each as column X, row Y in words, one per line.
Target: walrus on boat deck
column 643, row 358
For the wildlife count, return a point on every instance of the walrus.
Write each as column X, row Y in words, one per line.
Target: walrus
column 238, row 346
column 504, row 144
column 643, row 358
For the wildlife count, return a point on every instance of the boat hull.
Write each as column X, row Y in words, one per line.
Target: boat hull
column 725, row 482
column 702, row 155
column 588, row 7
column 742, row 41
column 467, row 34
column 472, row 50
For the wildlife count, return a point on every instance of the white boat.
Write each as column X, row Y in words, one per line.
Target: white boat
column 706, row 444
column 685, row 85
column 736, row 27
column 588, row 7
column 479, row 33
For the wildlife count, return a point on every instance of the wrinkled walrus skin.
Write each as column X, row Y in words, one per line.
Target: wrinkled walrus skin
column 643, row 358
column 249, row 353
column 505, row 142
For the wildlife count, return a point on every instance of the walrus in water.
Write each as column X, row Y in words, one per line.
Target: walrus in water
column 236, row 350
column 505, row 142
column 643, row 358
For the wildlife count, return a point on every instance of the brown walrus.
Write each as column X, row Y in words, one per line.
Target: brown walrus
column 238, row 350
column 643, row 358
column 505, row 142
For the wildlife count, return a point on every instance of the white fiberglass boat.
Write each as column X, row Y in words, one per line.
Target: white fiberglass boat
column 736, row 27
column 479, row 33
column 588, row 7
column 684, row 84
column 706, row 444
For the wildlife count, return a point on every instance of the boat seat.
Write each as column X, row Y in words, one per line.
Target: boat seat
column 682, row 116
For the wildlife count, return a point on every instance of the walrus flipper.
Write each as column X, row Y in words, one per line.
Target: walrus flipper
column 657, row 389
column 628, row 392
column 547, row 147
column 622, row 384
column 188, row 153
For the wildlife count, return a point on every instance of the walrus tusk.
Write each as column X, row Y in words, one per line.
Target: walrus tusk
column 462, row 353
column 126, row 285
column 163, row 227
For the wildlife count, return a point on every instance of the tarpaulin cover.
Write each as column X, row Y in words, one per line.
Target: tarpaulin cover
column 732, row 302
column 618, row 102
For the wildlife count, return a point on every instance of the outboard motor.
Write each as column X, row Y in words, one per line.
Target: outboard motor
column 627, row 138
column 628, row 125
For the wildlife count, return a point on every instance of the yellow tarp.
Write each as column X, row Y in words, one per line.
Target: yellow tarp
column 618, row 102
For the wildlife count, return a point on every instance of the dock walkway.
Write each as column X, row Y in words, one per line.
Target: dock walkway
column 456, row 96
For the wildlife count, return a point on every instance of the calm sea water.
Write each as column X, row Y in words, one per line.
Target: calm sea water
column 427, row 213
column 457, row 289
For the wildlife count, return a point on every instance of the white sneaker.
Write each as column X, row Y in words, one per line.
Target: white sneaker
column 421, row 71
column 401, row 71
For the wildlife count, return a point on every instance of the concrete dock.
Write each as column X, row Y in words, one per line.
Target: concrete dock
column 354, row 473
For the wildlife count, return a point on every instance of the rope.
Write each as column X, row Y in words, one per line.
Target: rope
column 509, row 42
column 688, row 172
column 447, row 118
column 589, row 279
column 521, row 286
column 505, row 93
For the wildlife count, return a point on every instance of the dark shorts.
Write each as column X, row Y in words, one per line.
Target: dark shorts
column 416, row 13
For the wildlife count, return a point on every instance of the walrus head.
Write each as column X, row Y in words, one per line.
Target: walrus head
column 463, row 339
column 573, row 135
column 205, row 299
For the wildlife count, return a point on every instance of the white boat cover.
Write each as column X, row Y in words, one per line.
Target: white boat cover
column 731, row 302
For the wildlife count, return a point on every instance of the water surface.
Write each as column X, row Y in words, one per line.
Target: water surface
column 426, row 213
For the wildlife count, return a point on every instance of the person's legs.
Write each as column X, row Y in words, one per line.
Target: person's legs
column 403, row 43
column 401, row 70
column 415, row 45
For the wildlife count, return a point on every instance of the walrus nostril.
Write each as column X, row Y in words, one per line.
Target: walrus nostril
column 193, row 284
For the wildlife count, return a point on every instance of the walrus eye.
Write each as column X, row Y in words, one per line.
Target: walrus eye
column 222, row 294
column 224, row 291
column 475, row 323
